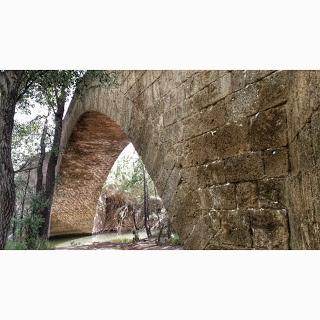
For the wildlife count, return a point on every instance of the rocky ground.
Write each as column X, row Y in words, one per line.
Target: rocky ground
column 140, row 245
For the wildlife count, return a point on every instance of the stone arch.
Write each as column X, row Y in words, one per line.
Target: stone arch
column 96, row 129
column 234, row 154
column 95, row 143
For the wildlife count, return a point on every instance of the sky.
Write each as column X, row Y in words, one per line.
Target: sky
column 35, row 111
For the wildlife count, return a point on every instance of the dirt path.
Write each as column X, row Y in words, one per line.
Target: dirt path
column 140, row 245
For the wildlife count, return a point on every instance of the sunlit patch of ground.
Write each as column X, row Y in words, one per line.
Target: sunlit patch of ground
column 111, row 241
column 144, row 244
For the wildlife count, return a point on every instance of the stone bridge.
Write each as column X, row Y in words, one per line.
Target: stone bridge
column 235, row 155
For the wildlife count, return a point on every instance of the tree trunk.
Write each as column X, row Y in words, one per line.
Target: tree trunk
column 25, row 194
column 23, row 203
column 169, row 229
column 14, row 226
column 9, row 84
column 39, row 184
column 146, row 205
column 51, row 170
column 135, row 227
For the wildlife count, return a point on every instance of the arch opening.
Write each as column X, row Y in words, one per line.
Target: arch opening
column 129, row 205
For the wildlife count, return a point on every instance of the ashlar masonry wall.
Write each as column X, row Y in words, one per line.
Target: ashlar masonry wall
column 233, row 154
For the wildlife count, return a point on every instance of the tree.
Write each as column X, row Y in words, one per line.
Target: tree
column 51, row 89
column 146, row 204
column 14, row 87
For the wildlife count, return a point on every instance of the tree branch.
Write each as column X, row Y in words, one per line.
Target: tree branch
column 29, row 82
column 25, row 169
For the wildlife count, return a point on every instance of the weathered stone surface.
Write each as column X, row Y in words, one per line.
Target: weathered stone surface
column 211, row 173
column 274, row 89
column 268, row 129
column 234, row 231
column 307, row 157
column 220, row 88
column 272, row 193
column 204, row 230
column 315, row 127
column 223, row 197
column 200, row 150
column 232, row 139
column 244, row 102
column 269, row 229
column 247, row 195
column 234, row 154
column 276, row 162
column 94, row 145
column 244, row 167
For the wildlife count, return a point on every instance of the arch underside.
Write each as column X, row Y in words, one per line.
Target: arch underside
column 235, row 155
column 94, row 145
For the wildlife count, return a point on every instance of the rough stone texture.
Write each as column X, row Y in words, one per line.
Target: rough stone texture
column 94, row 145
column 233, row 154
column 302, row 189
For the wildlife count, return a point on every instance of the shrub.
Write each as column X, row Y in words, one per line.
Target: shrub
column 175, row 240
column 15, row 245
column 38, row 244
column 28, row 228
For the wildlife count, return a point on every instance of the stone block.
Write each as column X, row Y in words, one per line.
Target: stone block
column 244, row 167
column 314, row 94
column 191, row 127
column 191, row 177
column 200, row 150
column 172, row 134
column 269, row 229
column 247, row 195
column 202, row 79
column 184, row 108
column 268, row 129
column 185, row 202
column 294, row 156
column 301, row 99
column 232, row 139
column 315, row 127
column 237, row 79
column 307, row 194
column 210, row 147
column 200, row 99
column 183, row 225
column 211, row 173
column 272, row 193
column 213, row 117
column 307, row 160
column 234, row 231
column 274, row 89
column 204, row 230
column 171, row 185
column 219, row 89
column 170, row 117
column 243, row 103
column 276, row 162
column 223, row 197
column 205, row 198
column 252, row 76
